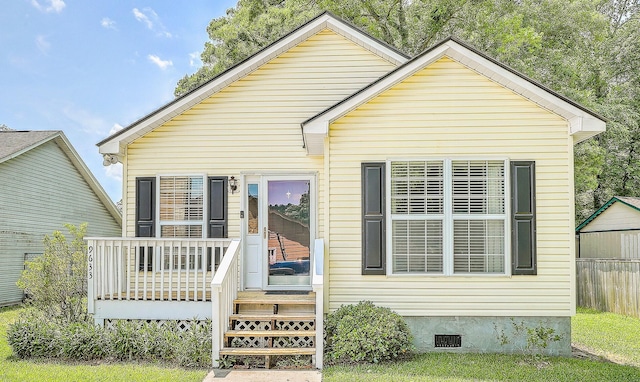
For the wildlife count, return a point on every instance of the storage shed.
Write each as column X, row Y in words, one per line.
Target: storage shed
column 612, row 232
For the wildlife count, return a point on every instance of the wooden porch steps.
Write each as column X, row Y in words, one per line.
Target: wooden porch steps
column 271, row 326
column 258, row 316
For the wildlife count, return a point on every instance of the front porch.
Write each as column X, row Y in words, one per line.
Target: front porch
column 190, row 280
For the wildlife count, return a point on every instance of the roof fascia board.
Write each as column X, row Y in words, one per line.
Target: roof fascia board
column 319, row 123
column 359, row 37
column 176, row 107
column 581, row 122
column 64, row 144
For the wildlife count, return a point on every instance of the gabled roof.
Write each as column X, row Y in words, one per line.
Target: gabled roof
column 15, row 143
column 583, row 123
column 115, row 143
column 632, row 202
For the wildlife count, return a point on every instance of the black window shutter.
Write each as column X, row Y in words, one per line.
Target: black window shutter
column 523, row 218
column 217, row 215
column 145, row 206
column 373, row 219
column 145, row 217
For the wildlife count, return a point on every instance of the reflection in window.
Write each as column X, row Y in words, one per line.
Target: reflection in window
column 252, row 221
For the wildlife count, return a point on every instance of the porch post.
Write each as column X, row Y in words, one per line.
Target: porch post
column 216, row 333
column 91, row 245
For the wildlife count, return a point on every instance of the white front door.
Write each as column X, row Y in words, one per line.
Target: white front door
column 278, row 232
column 253, row 234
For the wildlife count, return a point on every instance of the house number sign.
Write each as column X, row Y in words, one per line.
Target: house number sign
column 90, row 259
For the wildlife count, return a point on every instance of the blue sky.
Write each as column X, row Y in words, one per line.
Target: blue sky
column 90, row 67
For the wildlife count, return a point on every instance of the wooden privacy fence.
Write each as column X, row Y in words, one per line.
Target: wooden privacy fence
column 610, row 285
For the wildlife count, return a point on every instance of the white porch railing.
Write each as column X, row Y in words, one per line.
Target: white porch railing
column 317, row 284
column 152, row 269
column 224, row 289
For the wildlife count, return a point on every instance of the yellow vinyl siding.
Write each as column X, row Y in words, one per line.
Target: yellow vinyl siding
column 449, row 111
column 253, row 125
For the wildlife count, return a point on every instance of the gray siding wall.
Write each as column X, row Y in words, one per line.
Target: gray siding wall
column 610, row 245
column 40, row 191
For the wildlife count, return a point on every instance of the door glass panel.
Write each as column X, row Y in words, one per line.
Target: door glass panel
column 252, row 221
column 289, row 235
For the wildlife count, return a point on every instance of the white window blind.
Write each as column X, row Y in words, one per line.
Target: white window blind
column 478, row 192
column 181, row 207
column 417, row 206
column 466, row 198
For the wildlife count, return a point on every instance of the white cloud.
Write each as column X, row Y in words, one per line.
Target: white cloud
column 108, row 23
column 114, row 171
column 140, row 16
column 116, row 127
column 162, row 64
column 51, row 6
column 87, row 122
column 194, row 59
column 151, row 19
column 43, row 45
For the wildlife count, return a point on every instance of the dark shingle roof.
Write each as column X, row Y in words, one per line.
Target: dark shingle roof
column 13, row 142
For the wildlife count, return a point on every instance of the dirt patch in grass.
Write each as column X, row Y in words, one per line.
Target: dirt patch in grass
column 581, row 352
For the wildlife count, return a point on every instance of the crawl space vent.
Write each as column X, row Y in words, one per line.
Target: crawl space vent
column 448, row 340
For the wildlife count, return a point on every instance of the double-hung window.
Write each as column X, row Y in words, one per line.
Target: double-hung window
column 181, row 215
column 181, row 207
column 448, row 216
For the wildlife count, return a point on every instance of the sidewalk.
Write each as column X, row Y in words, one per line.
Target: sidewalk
column 218, row 375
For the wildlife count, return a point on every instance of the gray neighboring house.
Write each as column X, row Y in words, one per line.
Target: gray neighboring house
column 43, row 185
column 612, row 232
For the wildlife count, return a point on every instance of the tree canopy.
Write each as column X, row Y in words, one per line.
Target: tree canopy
column 587, row 50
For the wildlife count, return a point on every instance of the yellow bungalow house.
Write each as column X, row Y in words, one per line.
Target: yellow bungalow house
column 329, row 168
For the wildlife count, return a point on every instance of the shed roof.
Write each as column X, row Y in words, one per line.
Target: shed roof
column 14, row 143
column 632, row 202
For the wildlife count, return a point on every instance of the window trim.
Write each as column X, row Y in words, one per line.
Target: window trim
column 448, row 217
column 205, row 205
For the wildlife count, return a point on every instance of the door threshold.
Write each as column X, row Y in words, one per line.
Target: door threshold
column 291, row 292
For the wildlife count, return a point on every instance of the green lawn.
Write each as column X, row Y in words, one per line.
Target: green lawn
column 484, row 367
column 613, row 336
column 608, row 335
column 17, row 370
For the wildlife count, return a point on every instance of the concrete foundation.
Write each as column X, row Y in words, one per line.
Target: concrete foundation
column 487, row 334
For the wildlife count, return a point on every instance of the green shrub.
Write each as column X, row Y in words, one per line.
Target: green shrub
column 83, row 341
column 195, row 346
column 31, row 336
column 34, row 336
column 56, row 282
column 366, row 333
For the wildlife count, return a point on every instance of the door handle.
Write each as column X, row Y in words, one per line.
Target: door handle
column 264, row 230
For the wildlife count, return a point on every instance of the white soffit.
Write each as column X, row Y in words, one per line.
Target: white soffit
column 115, row 143
column 582, row 123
